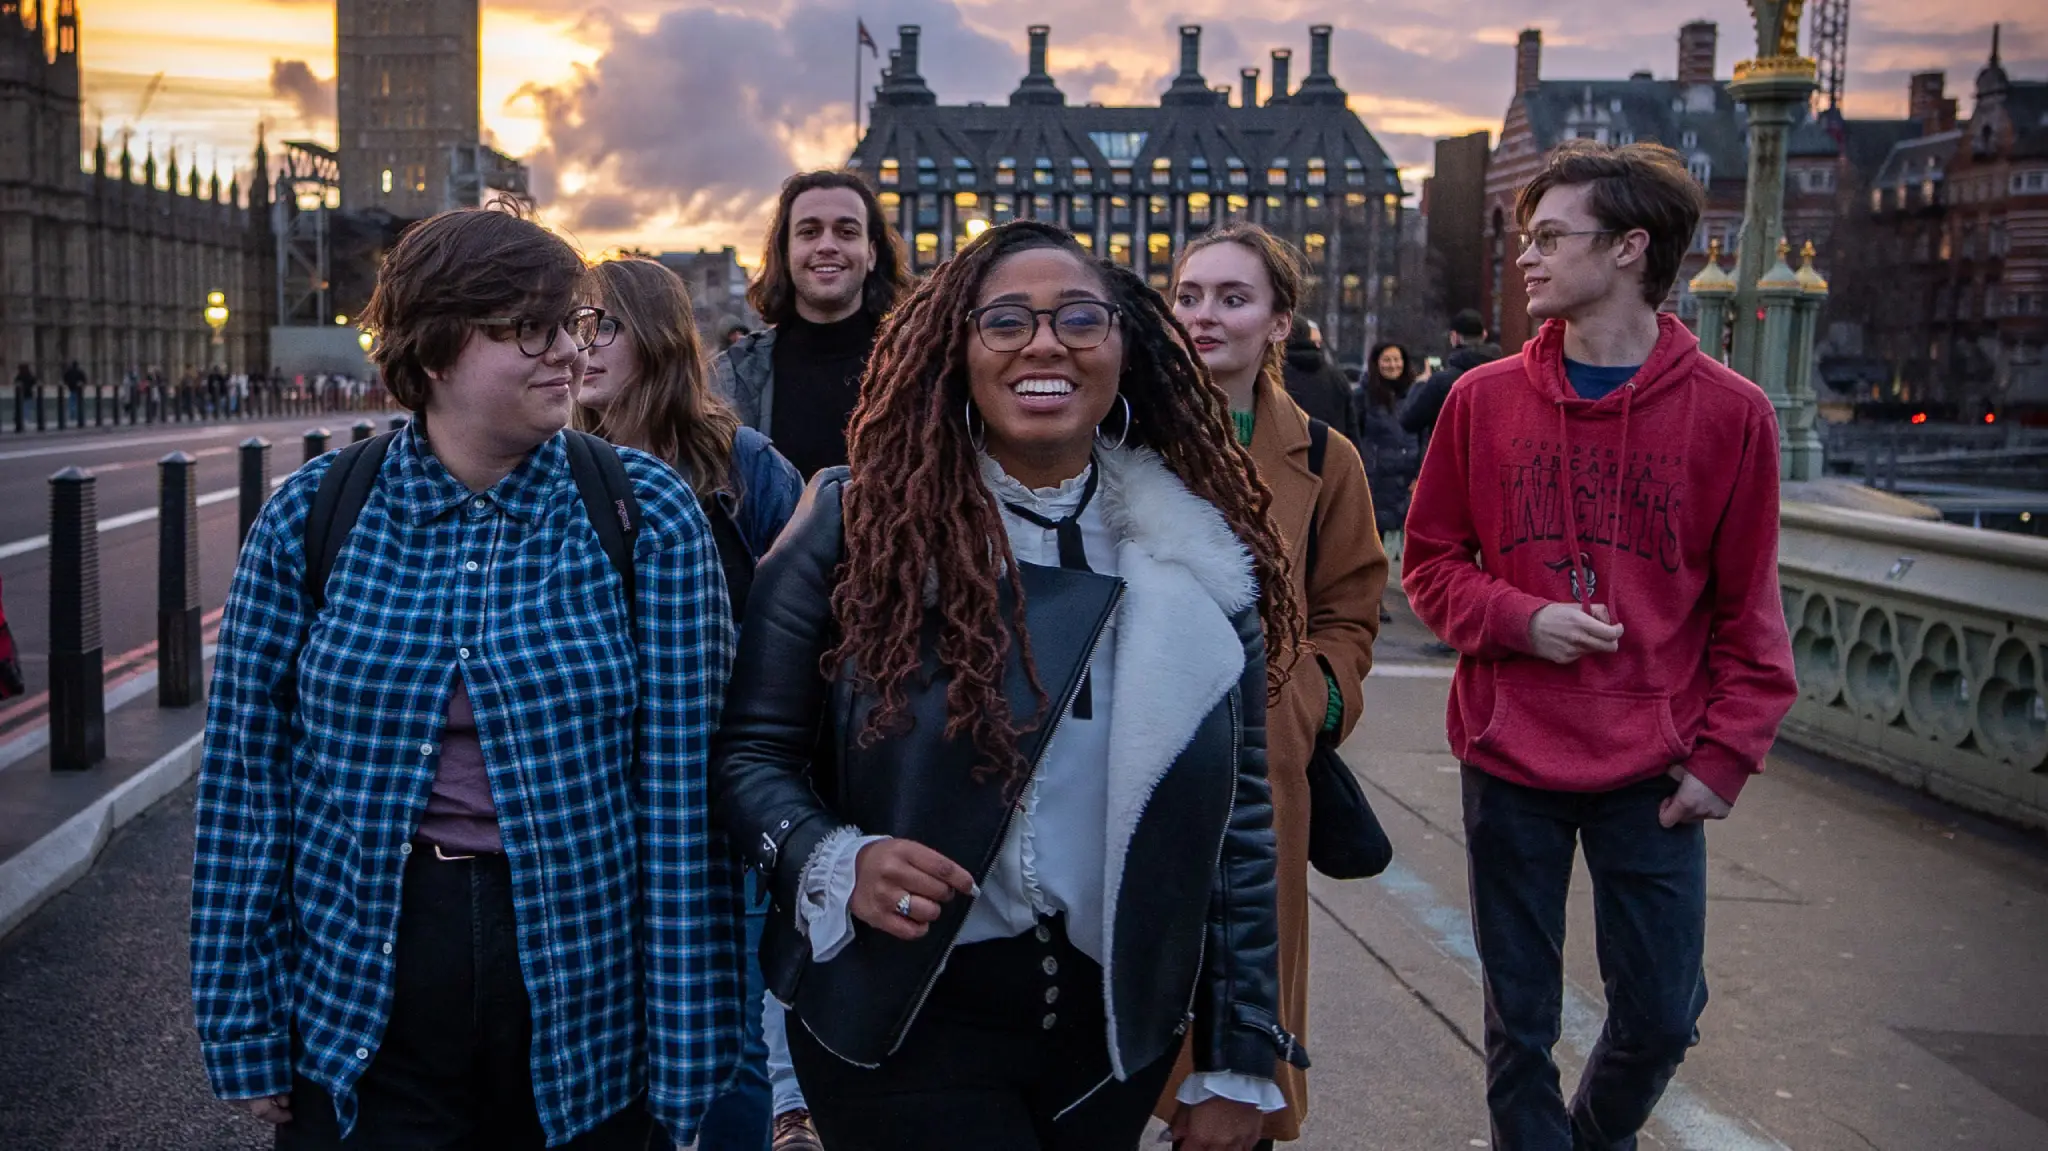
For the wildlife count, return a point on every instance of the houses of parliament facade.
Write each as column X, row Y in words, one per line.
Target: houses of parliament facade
column 111, row 266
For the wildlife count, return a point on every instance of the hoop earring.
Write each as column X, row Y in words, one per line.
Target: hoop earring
column 977, row 438
column 1122, row 435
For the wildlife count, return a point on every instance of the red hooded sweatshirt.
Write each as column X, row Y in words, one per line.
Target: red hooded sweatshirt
column 1669, row 486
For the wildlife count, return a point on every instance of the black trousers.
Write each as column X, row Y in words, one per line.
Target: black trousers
column 452, row 1073
column 1649, row 928
column 1010, row 1053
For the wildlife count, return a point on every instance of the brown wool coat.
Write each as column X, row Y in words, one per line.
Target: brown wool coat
column 1342, row 599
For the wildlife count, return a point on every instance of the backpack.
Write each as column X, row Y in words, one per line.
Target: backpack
column 599, row 473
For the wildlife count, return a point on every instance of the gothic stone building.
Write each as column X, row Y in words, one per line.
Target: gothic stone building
column 96, row 266
column 1136, row 184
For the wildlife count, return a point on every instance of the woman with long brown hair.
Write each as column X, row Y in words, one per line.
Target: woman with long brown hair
column 647, row 387
column 996, row 735
column 1236, row 290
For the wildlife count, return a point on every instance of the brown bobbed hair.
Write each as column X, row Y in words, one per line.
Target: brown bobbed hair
column 917, row 514
column 1628, row 187
column 773, row 291
column 1283, row 271
column 671, row 407
column 450, row 270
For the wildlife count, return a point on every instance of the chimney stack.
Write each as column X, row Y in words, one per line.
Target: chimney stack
column 1528, row 59
column 1251, row 86
column 1189, row 87
column 1928, row 103
column 1319, row 87
column 1282, row 60
column 1037, row 87
column 901, row 84
column 1697, row 43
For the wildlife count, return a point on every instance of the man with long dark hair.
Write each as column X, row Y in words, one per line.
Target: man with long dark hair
column 832, row 267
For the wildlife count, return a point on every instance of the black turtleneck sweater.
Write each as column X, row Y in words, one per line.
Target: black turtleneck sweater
column 817, row 383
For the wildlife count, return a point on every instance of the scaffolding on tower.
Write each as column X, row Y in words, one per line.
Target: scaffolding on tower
column 1831, row 52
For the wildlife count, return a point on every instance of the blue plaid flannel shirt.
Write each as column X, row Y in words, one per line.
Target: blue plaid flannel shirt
column 625, row 893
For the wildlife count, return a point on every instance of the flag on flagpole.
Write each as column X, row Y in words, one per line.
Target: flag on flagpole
column 866, row 40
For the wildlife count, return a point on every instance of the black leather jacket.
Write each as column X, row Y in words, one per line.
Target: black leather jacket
column 1195, row 940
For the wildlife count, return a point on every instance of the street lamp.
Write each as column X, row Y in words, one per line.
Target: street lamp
column 216, row 314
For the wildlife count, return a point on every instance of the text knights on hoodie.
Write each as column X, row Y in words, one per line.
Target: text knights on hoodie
column 1669, row 486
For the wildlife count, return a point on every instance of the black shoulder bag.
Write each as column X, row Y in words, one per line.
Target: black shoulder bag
column 1345, row 840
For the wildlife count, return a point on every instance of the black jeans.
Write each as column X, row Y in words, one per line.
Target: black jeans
column 452, row 1073
column 1009, row 1054
column 1649, row 919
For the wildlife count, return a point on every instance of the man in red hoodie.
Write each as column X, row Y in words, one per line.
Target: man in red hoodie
column 1596, row 531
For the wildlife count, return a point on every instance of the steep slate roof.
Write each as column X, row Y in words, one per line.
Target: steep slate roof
column 1921, row 158
column 1191, row 123
column 2026, row 102
column 1643, row 109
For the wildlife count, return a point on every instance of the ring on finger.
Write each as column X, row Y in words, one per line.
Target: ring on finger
column 903, row 906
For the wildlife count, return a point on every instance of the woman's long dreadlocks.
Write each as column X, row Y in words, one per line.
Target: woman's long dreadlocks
column 919, row 521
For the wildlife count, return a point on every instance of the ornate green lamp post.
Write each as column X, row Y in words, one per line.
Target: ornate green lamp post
column 1769, row 343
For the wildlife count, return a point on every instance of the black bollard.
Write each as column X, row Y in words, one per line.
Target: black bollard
column 361, row 430
column 179, row 657
column 38, row 402
column 78, row 703
column 316, row 444
column 398, row 422
column 255, row 480
column 63, row 409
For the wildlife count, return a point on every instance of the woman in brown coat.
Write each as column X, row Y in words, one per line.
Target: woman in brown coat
column 1236, row 290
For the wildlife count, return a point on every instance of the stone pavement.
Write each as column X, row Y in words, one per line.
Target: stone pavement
column 1876, row 962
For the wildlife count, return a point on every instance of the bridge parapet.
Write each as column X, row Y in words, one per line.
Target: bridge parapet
column 1922, row 653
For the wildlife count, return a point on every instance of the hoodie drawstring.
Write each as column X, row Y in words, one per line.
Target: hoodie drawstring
column 1583, row 589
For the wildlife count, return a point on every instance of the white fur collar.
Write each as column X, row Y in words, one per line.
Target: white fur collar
column 1149, row 507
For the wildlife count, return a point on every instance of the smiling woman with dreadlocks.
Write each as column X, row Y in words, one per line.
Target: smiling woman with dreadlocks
column 996, row 731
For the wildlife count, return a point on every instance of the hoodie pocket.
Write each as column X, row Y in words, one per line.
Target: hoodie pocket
column 1579, row 739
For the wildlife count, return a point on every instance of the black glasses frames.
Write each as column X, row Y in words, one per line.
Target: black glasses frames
column 1077, row 324
column 535, row 336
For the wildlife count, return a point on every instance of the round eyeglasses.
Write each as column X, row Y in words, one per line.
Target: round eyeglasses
column 1077, row 324
column 1545, row 240
column 536, row 336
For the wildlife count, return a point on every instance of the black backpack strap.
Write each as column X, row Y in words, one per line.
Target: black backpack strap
column 1318, row 446
column 337, row 503
column 733, row 553
column 613, row 509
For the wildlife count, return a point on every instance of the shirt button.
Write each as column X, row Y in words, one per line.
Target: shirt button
column 478, row 504
column 470, row 566
column 362, row 1053
column 387, row 949
column 1044, row 933
column 1050, row 1021
column 1052, row 995
column 463, row 652
column 1050, row 966
column 426, row 749
column 405, row 849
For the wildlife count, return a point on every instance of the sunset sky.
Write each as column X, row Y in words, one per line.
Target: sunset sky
column 665, row 124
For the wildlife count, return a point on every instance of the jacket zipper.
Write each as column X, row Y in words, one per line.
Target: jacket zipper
column 1187, row 1018
column 1010, row 814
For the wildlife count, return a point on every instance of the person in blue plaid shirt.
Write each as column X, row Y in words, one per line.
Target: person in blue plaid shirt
column 455, row 885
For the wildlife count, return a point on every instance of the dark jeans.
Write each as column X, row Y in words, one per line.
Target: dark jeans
column 739, row 1118
column 1009, row 1054
column 453, row 1070
column 1649, row 920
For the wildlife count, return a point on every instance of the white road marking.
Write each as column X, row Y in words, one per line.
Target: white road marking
column 108, row 445
column 126, row 519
